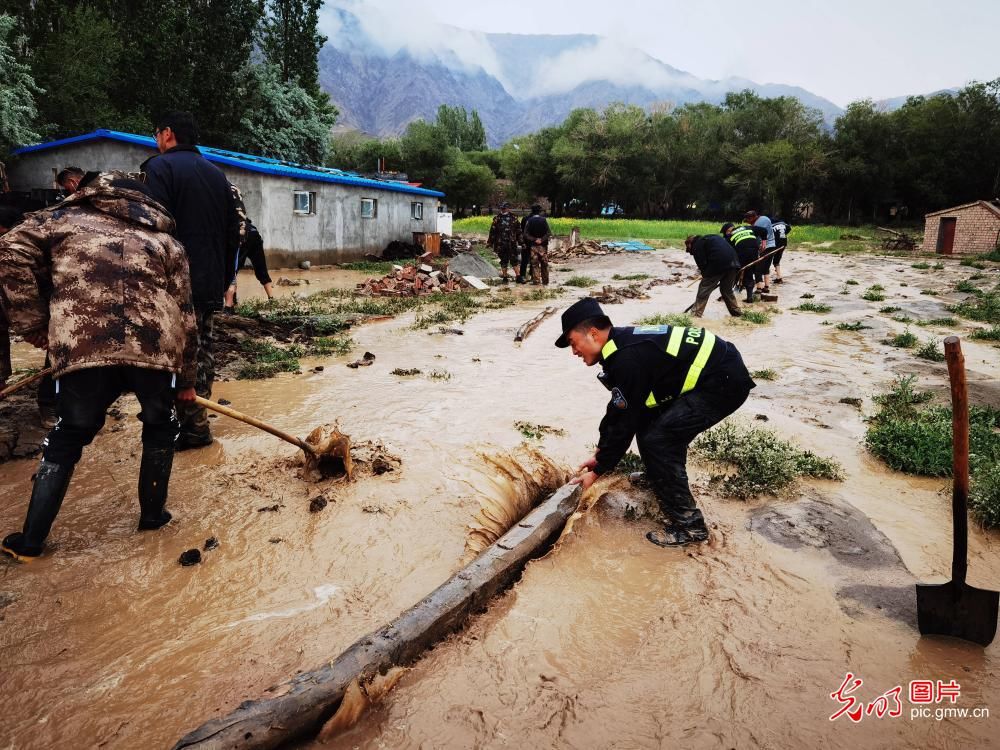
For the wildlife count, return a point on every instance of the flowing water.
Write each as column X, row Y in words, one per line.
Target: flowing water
column 606, row 642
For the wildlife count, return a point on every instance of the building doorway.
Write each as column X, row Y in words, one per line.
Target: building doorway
column 946, row 235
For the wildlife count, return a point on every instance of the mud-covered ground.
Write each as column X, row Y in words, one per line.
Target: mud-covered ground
column 607, row 642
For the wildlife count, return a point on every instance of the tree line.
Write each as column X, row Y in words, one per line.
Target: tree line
column 248, row 69
column 871, row 165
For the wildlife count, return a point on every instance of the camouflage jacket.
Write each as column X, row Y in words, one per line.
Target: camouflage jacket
column 241, row 212
column 505, row 232
column 101, row 272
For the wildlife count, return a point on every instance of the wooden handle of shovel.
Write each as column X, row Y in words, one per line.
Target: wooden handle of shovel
column 960, row 457
column 23, row 382
column 254, row 423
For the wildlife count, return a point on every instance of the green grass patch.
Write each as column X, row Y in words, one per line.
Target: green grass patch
column 326, row 345
column 948, row 322
column 262, row 359
column 816, row 307
column 761, row 462
column 374, row 267
column 537, row 431
column 855, row 326
column 439, row 375
column 889, row 309
column 984, row 308
column 922, row 266
column 873, row 294
column 917, row 439
column 807, row 295
column 668, row 231
column 580, row 281
column 631, row 277
column 905, row 340
column 993, row 255
column 682, row 320
column 929, row 292
column 844, row 290
column 967, row 287
column 851, row 282
column 931, row 351
column 970, row 263
column 903, row 319
column 987, row 334
column 938, row 266
column 544, row 293
column 977, row 276
column 767, row 374
column 405, row 372
column 758, row 317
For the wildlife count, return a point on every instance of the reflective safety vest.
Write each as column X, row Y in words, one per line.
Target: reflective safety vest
column 687, row 345
column 741, row 234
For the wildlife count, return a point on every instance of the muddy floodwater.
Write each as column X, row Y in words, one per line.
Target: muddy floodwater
column 608, row 641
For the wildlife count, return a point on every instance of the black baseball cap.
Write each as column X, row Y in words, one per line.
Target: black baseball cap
column 575, row 314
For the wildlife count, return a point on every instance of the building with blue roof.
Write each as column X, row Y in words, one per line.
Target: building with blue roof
column 319, row 214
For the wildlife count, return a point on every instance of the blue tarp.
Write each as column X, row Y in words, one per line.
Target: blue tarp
column 632, row 246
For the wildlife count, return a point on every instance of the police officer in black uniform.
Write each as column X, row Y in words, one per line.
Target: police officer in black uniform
column 668, row 384
column 746, row 241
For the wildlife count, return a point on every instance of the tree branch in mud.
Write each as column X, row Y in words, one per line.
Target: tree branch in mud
column 531, row 325
column 299, row 708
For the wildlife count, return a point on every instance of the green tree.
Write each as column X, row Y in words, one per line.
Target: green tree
column 290, row 41
column 466, row 184
column 461, row 130
column 17, row 92
column 281, row 119
column 425, row 152
column 528, row 162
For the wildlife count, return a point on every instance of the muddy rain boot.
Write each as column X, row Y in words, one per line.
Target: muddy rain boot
column 154, row 477
column 51, row 483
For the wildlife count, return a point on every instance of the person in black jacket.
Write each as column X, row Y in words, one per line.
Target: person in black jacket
column 197, row 194
column 719, row 266
column 668, row 384
column 536, row 239
column 746, row 241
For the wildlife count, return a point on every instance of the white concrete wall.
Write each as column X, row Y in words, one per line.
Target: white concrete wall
column 335, row 233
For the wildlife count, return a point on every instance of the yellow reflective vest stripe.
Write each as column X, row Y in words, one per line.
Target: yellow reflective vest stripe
column 677, row 336
column 609, row 348
column 739, row 235
column 700, row 360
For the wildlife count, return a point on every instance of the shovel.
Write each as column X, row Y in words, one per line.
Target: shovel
column 23, row 382
column 330, row 454
column 956, row 608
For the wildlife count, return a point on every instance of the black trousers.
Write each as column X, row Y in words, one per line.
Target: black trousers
column 83, row 400
column 663, row 443
column 525, row 260
column 256, row 257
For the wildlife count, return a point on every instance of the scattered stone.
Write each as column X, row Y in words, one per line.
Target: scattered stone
column 475, row 282
column 283, row 281
column 318, row 503
column 761, row 417
column 115, row 413
column 365, row 361
column 275, row 540
column 318, row 368
column 851, row 401
column 190, row 557
column 269, row 508
column 305, row 265
column 224, row 402
column 211, row 543
column 610, row 295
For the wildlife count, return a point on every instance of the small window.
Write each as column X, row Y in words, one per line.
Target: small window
column 304, row 202
column 369, row 208
column 417, row 211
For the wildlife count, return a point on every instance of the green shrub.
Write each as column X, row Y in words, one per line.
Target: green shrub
column 580, row 281
column 970, row 263
column 903, row 319
column 324, row 346
column 856, row 326
column 938, row 266
column 767, row 374
column 873, row 294
column 666, row 319
column 632, row 277
column 931, row 351
column 844, row 290
column 904, row 340
column 807, row 295
column 763, row 462
column 987, row 334
column 984, row 308
column 917, row 440
column 993, row 255
column 984, row 496
column 262, row 359
column 889, row 309
column 977, row 276
column 851, row 282
column 967, row 287
column 921, row 265
column 816, row 307
column 755, row 316
column 537, row 431
column 929, row 292
column 946, row 322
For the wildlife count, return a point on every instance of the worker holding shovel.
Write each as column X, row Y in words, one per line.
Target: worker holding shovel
column 668, row 384
column 99, row 280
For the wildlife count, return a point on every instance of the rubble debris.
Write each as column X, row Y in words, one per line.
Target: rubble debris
column 318, row 503
column 471, row 264
column 372, row 457
column 365, row 361
column 224, row 402
column 410, row 281
column 442, row 331
column 331, row 456
column 211, row 543
column 284, row 281
column 397, row 250
column 851, row 401
column 475, row 283
column 610, row 295
column 451, row 246
column 190, row 557
column 676, row 276
column 583, row 249
column 768, row 297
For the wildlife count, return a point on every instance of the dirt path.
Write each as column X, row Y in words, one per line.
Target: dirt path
column 607, row 642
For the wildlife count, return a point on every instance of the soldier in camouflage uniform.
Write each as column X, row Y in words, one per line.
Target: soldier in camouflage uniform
column 99, row 280
column 505, row 239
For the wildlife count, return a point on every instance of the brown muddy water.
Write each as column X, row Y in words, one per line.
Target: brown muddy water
column 606, row 642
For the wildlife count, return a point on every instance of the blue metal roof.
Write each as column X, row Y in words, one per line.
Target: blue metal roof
column 249, row 162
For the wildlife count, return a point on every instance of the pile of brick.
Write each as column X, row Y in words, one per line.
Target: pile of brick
column 417, row 281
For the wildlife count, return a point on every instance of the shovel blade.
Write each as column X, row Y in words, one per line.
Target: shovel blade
column 957, row 610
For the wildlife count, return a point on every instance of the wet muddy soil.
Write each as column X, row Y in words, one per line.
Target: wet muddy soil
column 608, row 641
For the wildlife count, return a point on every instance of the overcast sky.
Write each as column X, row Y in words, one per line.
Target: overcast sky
column 844, row 51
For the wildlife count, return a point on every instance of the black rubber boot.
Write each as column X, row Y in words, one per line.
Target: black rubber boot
column 679, row 534
column 154, row 478
column 51, row 483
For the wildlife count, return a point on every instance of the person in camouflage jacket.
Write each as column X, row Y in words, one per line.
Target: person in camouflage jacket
column 505, row 238
column 99, row 280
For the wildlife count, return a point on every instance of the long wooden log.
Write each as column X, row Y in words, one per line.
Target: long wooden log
column 298, row 708
column 531, row 325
